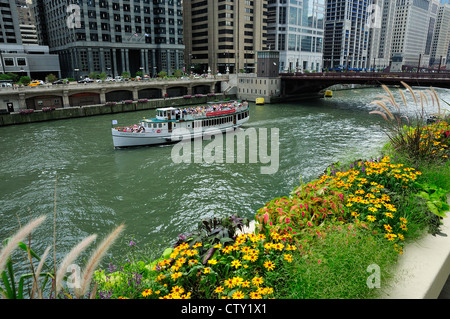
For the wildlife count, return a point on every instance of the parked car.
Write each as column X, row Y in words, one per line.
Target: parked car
column 61, row 81
column 34, row 83
column 86, row 80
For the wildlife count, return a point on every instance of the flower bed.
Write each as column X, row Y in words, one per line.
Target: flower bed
column 26, row 111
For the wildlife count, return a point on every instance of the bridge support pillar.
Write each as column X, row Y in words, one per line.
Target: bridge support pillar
column 135, row 94
column 102, row 96
column 164, row 91
column 189, row 90
column 212, row 88
column 66, row 100
column 22, row 101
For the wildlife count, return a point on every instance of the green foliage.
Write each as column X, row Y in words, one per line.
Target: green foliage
column 178, row 73
column 125, row 75
column 213, row 231
column 10, row 289
column 51, row 78
column 25, row 80
column 162, row 74
column 436, row 199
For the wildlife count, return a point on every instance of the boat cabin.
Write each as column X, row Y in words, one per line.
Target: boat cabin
column 167, row 114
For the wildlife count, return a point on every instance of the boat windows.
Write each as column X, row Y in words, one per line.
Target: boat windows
column 160, row 125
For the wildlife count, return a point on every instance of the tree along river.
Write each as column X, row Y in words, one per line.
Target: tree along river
column 98, row 187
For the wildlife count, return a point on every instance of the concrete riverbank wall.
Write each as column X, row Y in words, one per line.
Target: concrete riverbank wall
column 17, row 118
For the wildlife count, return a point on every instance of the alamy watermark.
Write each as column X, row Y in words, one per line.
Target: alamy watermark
column 74, row 19
column 374, row 280
column 375, row 17
column 222, row 147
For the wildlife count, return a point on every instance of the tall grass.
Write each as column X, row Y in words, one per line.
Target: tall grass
column 58, row 275
column 407, row 125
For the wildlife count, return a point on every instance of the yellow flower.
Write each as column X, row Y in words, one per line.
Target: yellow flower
column 177, row 290
column 207, row 270
column 255, row 295
column 212, row 262
column 218, row 246
column 219, row 290
column 238, row 295
column 236, row 263
column 176, row 275
column 246, row 284
column 288, row 258
column 257, row 281
column 147, row 292
column 403, row 227
column 371, row 218
column 269, row 265
column 229, row 283
column 197, row 245
column 355, row 214
column 237, row 281
column 388, row 228
column 389, row 215
column 390, row 237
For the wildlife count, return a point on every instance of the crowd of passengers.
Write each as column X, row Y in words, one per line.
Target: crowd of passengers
column 202, row 110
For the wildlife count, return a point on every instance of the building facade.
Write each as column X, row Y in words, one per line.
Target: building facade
column 412, row 34
column 19, row 55
column 347, row 34
column 27, row 23
column 441, row 38
column 224, row 36
column 296, row 30
column 113, row 36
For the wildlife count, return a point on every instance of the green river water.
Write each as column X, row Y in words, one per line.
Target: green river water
column 98, row 187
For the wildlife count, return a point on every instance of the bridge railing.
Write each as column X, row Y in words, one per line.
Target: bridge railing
column 370, row 75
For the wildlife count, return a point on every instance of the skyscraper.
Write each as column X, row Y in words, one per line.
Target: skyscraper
column 113, row 36
column 224, row 35
column 347, row 33
column 18, row 53
column 296, row 29
column 413, row 29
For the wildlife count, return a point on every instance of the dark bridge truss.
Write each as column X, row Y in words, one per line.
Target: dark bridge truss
column 311, row 84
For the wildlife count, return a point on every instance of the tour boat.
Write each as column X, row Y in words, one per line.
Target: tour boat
column 175, row 124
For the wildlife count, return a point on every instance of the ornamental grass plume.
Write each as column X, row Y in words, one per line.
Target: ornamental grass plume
column 70, row 257
column 38, row 273
column 15, row 240
column 95, row 260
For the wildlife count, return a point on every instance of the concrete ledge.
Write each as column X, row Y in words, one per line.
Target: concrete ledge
column 423, row 269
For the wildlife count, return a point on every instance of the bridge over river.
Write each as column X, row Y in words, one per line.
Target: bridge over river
column 75, row 94
column 295, row 85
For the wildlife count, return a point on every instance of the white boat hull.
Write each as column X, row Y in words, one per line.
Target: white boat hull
column 128, row 139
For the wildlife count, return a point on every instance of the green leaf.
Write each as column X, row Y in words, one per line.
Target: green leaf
column 8, row 290
column 433, row 208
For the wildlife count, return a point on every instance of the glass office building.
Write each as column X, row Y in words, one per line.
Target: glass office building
column 295, row 28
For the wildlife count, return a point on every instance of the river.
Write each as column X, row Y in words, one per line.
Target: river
column 98, row 187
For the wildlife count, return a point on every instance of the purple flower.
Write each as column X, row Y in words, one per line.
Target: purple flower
column 132, row 243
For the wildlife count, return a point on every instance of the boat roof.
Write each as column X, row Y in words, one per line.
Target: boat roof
column 167, row 109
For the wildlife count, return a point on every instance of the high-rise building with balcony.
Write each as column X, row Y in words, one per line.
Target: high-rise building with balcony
column 113, row 36
column 223, row 36
column 296, row 30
